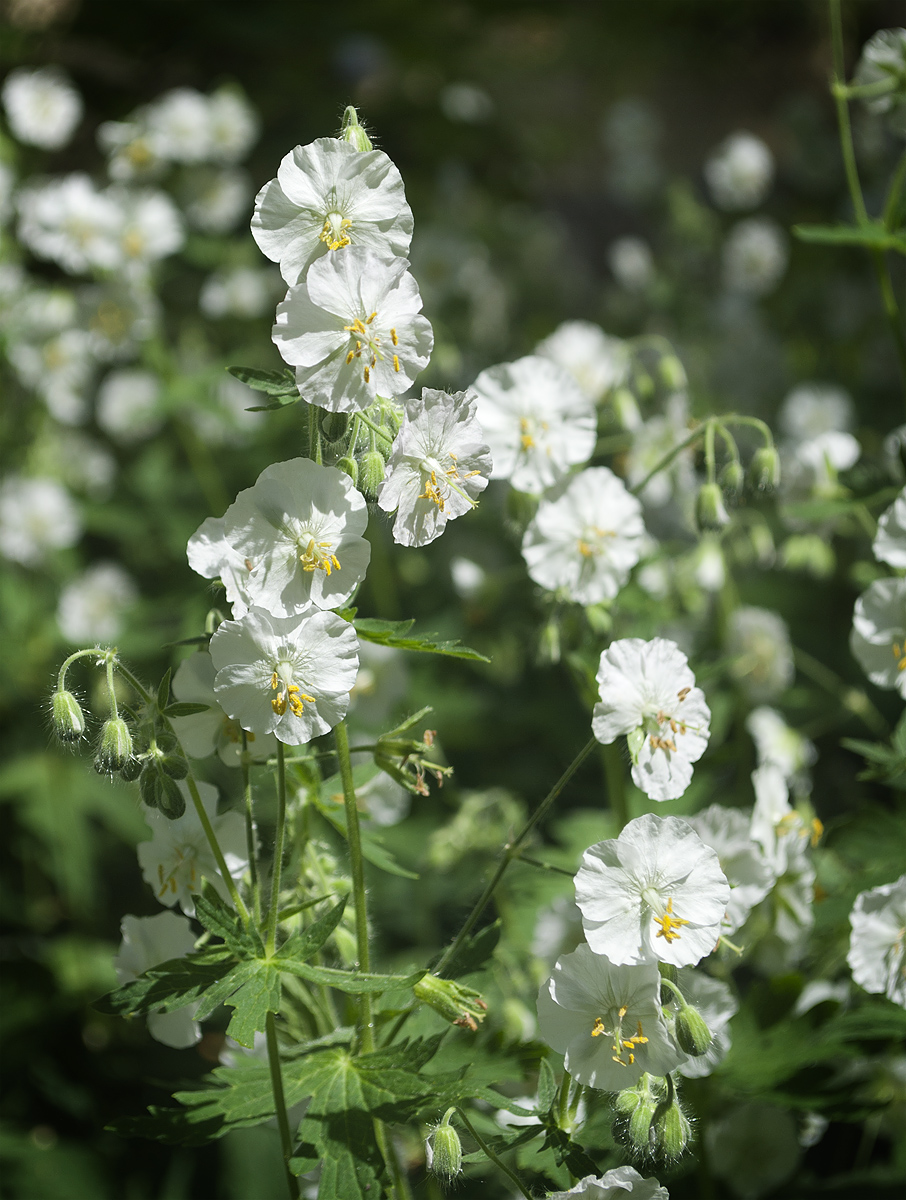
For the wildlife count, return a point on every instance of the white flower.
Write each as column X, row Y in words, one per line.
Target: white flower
column 878, row 638
column 654, row 894
column 128, row 405
column 203, row 733
column 717, row 1005
column 708, row 565
column 755, row 256
column 758, row 644
column 648, row 692
column 180, row 125
column 773, row 817
column 234, row 125
column 69, row 221
column 352, row 329
column 816, row 419
column 300, row 527
column 147, row 942
column 877, row 945
column 242, row 292
column 537, row 420
column 889, row 545
column 596, row 362
column 59, row 370
column 212, row 557
column 438, row 467
column 91, row 607
column 327, row 196
column 229, row 419
column 632, row 263
column 151, row 225
column 290, row 676
column 119, row 314
column 468, row 577
column 748, row 872
column 883, row 58
column 36, row 515
column 215, row 199
column 179, row 855
column 740, row 172
column 585, row 538
column 134, row 151
column 606, row 1020
column 615, row 1185
column 779, row 745
column 42, row 107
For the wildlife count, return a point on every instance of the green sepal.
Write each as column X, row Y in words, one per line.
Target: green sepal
column 635, row 740
column 184, row 708
column 393, row 633
column 163, row 691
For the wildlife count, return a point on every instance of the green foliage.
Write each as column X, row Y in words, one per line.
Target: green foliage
column 873, row 235
column 393, row 633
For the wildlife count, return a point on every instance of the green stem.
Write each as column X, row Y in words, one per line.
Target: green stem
column 563, row 1104
column 398, row 1177
column 543, row 866
column 891, row 204
column 250, row 839
column 271, row 940
column 509, row 853
column 755, row 422
column 667, row 460
column 486, row 1149
column 615, row 778
column 61, row 677
column 111, row 686
column 710, row 464
column 286, row 1141
column 832, row 683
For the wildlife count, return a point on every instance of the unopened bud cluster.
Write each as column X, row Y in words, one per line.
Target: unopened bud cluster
column 361, row 445
column 455, row 1003
column 651, row 1122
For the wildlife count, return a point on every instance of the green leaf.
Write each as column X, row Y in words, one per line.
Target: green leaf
column 273, row 383
column 169, row 985
column 163, row 691
column 874, row 235
column 547, row 1086
column 354, row 983
column 185, row 709
column 393, row 633
column 304, row 945
column 567, row 1153
column 474, row 952
column 373, row 848
column 217, row 917
column 252, row 988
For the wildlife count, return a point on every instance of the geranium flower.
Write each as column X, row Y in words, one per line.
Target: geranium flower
column 614, row 1185
column 889, row 545
column 352, row 329
column 596, row 362
column 877, row 945
column 70, row 222
column 654, row 894
column 537, row 420
column 878, row 638
column 299, row 528
column 147, row 942
column 648, row 692
column 212, row 557
column 204, row 732
column 606, row 1020
column 41, row 106
column 328, row 196
column 290, row 676
column 439, row 464
column 739, row 174
column 741, row 858
column 586, row 538
column 758, row 645
column 776, row 743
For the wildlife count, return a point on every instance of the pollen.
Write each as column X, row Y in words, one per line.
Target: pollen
column 394, row 338
column 396, row 362
column 683, row 693
column 432, row 491
column 289, row 695
column 623, row 1048
column 334, row 232
column 669, row 923
column 317, row 556
column 899, row 653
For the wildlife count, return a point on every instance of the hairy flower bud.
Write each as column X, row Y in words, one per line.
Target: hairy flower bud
column 132, row 770
column 334, row 425
column 444, row 1150
column 673, row 373
column 764, row 469
column 353, row 132
column 114, row 747
column 68, row 718
column 349, row 466
column 670, row 1131
column 457, row 1004
column 371, row 474
column 692, row 1031
column 732, row 477
column 709, row 507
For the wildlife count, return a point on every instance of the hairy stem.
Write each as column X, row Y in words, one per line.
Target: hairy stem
column 279, row 833
column 286, row 1141
column 250, row 840
column 486, row 1149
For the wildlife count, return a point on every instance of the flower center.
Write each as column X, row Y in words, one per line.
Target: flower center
column 665, row 917
column 133, row 243
column 168, row 882
column 334, row 232
column 232, row 731
column 438, row 481
column 620, row 1044
column 368, row 345
column 899, row 653
column 591, row 543
column 289, row 695
column 528, row 431
column 317, row 556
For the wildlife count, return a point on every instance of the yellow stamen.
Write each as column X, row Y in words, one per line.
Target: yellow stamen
column 396, row 362
column 667, row 922
column 333, row 232
column 367, row 375
column 683, row 693
column 394, row 338
column 432, row 492
column 368, row 320
column 316, row 557
column 899, row 653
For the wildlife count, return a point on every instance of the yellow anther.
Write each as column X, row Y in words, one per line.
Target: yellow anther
column 817, row 831
column 661, row 743
column 317, row 557
column 668, row 925
column 275, row 682
column 278, row 704
column 368, row 320
column 349, row 357
column 396, row 362
column 432, row 492
column 683, row 693
column 394, row 338
column 899, row 653
column 598, row 1028
column 333, row 232
column 367, row 375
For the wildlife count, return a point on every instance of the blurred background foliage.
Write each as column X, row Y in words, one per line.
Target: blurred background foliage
column 531, row 136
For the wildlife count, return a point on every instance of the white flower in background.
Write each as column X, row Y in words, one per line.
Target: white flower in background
column 36, row 515
column 654, row 894
column 233, row 125
column 883, row 59
column 203, row 733
column 889, row 545
column 216, row 199
column 42, row 107
column 353, row 330
column 80, row 463
column 653, row 441
column 537, row 420
column 585, row 538
column 878, row 638
column 820, row 991
column 59, row 370
column 780, row 746
column 212, row 557
column 300, row 526
column 466, row 103
column 709, row 568
column 179, row 856
column 606, row 1020
column 816, row 419
column 742, row 860
column 468, row 578
column 631, row 263
column 758, row 644
column 615, row 1185
column 717, row 1005
column 91, row 608
column 438, row 467
column 290, row 676
column 755, row 256
column 7, row 184
column 180, row 124
column 128, row 405
column 877, row 945
column 151, row 227
column 773, row 818
column 41, row 312
column 244, row 292
column 70, row 222
column 148, row 942
column 229, row 419
column 753, row 1148
column 133, row 152
column 740, row 172
column 648, row 693
column 119, row 314
column 328, row 196
column 596, row 362
column 894, row 456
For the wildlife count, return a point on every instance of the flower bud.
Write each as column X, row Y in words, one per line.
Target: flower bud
column 732, row 477
column 114, row 747
column 353, row 132
column 670, row 1132
column 175, row 766
column 371, row 474
column 444, row 1151
column 709, row 507
column 457, row 1004
column 764, row 469
column 334, row 425
column 692, row 1031
column 158, row 790
column 349, row 466
column 673, row 373
column 68, row 718
column 808, row 552
column 626, row 409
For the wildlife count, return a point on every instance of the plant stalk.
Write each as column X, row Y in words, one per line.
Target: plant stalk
column 279, row 833
column 286, row 1141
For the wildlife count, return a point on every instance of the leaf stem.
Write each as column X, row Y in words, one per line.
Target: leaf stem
column 486, row 1149
column 250, row 839
column 286, row 1141
column 271, row 939
column 668, row 459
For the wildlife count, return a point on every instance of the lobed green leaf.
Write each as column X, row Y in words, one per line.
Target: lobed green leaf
column 393, row 633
